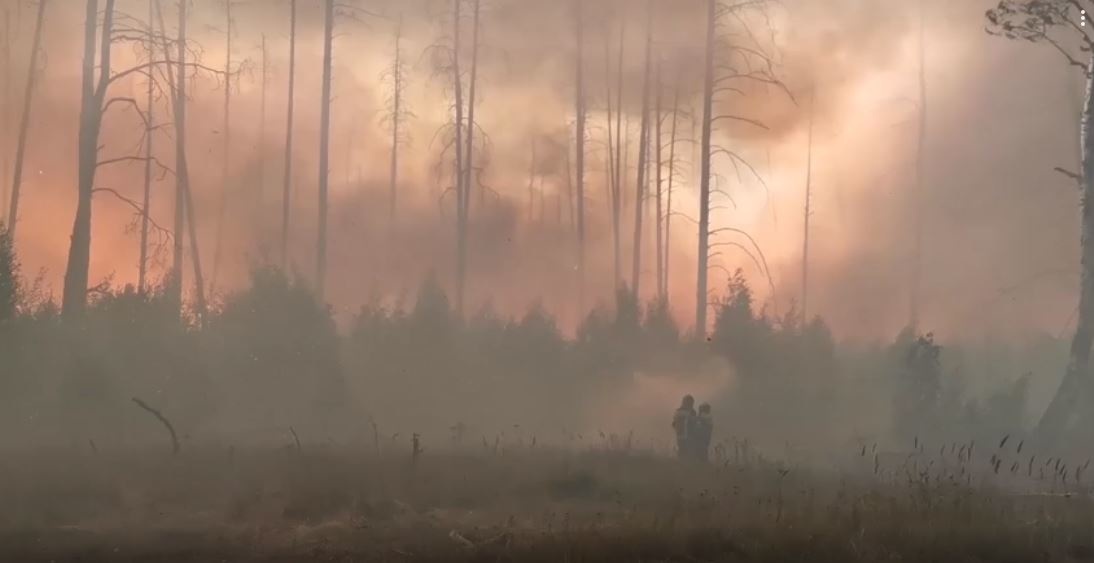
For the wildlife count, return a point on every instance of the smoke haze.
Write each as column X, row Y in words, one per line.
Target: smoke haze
column 1001, row 226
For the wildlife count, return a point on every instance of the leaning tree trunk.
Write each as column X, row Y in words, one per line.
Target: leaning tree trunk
column 24, row 124
column 324, row 151
column 91, row 115
column 703, row 252
column 1075, row 389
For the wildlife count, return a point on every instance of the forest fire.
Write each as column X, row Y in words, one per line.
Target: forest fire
column 445, row 268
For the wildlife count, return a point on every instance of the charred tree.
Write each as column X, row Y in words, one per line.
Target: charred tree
column 24, row 123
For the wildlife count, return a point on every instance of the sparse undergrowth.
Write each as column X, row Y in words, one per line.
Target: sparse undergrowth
column 548, row 505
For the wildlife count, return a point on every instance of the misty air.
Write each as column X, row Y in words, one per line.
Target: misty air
column 546, row 280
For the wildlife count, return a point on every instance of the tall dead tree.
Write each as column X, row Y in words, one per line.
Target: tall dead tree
column 612, row 169
column 5, row 111
column 226, row 146
column 92, row 96
column 659, row 164
column 286, row 184
column 397, row 112
column 620, row 151
column 324, row 149
column 669, row 190
column 742, row 60
column 185, row 213
column 463, row 212
column 149, row 131
column 808, row 214
column 457, row 88
column 579, row 156
column 260, row 198
column 914, row 296
column 24, row 123
column 1053, row 22
column 703, row 252
column 532, row 171
column 643, row 155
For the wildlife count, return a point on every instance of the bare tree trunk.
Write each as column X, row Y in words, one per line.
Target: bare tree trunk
column 808, row 215
column 643, row 155
column 703, row 252
column 579, row 137
column 286, row 187
column 917, row 243
column 182, row 172
column 79, row 254
column 620, row 168
column 1075, row 388
column 260, row 198
column 672, row 176
column 226, row 147
column 5, row 114
column 24, row 125
column 532, row 184
column 660, row 202
column 469, row 148
column 397, row 78
column 461, row 228
column 324, row 150
column 150, row 127
column 613, row 185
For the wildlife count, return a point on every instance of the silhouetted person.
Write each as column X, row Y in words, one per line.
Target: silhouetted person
column 683, row 422
column 702, row 433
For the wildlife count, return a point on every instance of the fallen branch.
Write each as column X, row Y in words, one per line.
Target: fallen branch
column 1069, row 174
column 166, row 423
column 295, row 438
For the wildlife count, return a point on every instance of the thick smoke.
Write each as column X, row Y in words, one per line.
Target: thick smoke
column 1000, row 240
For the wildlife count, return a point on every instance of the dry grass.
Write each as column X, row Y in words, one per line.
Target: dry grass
column 531, row 505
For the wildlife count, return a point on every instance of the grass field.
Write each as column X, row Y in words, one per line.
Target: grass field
column 327, row 504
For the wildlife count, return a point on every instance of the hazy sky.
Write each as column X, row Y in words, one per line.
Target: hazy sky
column 1001, row 239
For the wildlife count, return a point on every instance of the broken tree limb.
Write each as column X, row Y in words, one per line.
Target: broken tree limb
column 162, row 419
